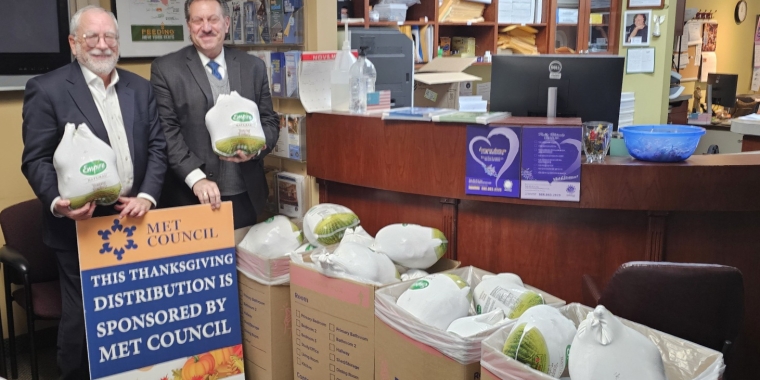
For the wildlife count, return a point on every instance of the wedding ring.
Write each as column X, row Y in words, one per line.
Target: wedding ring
column 205, row 194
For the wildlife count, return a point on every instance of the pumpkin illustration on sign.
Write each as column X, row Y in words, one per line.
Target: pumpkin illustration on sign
column 212, row 365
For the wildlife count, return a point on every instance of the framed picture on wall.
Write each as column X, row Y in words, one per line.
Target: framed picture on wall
column 636, row 30
column 151, row 29
column 646, row 4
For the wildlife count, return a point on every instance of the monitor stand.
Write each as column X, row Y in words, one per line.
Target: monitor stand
column 551, row 103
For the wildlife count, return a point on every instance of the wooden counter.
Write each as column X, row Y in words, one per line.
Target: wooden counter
column 705, row 210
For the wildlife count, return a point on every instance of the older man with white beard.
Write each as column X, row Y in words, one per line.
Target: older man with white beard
column 119, row 108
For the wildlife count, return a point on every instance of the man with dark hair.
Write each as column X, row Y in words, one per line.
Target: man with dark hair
column 119, row 108
column 187, row 84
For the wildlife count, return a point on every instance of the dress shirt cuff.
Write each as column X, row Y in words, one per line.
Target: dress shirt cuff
column 148, row 197
column 52, row 208
column 194, row 176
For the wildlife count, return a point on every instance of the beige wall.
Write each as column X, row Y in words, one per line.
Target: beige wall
column 735, row 42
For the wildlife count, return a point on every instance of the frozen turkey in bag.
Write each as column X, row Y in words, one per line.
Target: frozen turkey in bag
column 411, row 274
column 541, row 339
column 605, row 348
column 359, row 236
column 504, row 291
column 275, row 237
column 356, row 262
column 437, row 299
column 326, row 223
column 234, row 124
column 411, row 245
column 86, row 168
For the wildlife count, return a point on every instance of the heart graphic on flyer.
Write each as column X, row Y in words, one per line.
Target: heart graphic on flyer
column 491, row 159
column 570, row 156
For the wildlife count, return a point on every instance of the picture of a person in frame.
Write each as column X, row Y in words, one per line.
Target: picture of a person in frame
column 638, row 32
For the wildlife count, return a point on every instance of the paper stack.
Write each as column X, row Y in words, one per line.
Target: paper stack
column 472, row 104
column 626, row 109
column 518, row 39
column 461, row 11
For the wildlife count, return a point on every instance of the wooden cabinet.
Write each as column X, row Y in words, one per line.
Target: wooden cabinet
column 594, row 29
column 585, row 26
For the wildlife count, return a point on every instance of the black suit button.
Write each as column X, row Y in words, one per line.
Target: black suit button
column 211, row 175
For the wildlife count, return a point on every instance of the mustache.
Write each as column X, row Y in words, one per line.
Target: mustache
column 105, row 52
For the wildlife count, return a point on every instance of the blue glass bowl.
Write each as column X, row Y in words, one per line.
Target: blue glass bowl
column 661, row 143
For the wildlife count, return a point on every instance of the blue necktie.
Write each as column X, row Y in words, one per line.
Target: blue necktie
column 214, row 69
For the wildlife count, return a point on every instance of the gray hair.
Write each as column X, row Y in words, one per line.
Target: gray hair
column 222, row 4
column 74, row 24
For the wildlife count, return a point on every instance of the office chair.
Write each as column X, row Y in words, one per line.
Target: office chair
column 702, row 303
column 28, row 262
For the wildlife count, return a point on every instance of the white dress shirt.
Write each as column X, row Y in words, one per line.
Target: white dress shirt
column 107, row 102
column 197, row 174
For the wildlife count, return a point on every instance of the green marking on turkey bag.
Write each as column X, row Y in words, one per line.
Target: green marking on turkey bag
column 242, row 117
column 93, row 167
column 528, row 347
column 457, row 280
column 104, row 196
column 330, row 230
column 270, row 220
column 247, row 144
column 420, row 284
column 441, row 249
column 525, row 302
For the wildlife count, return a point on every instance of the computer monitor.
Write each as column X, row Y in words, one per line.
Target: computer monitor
column 723, row 89
column 392, row 53
column 588, row 86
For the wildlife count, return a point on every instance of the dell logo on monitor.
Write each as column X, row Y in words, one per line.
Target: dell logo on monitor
column 555, row 70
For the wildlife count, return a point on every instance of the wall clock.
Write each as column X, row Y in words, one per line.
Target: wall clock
column 741, row 11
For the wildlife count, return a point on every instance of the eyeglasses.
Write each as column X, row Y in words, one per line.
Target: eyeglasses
column 92, row 39
column 213, row 20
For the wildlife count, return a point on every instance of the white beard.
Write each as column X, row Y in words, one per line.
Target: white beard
column 99, row 67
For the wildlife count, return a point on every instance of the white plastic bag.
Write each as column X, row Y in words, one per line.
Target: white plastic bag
column 476, row 324
column 541, row 339
column 411, row 245
column 437, row 299
column 412, row 274
column 86, row 168
column 234, row 124
column 504, row 291
column 275, row 237
column 325, row 223
column 605, row 348
column 354, row 262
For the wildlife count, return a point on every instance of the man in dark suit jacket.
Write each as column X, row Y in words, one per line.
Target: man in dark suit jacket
column 187, row 83
column 120, row 109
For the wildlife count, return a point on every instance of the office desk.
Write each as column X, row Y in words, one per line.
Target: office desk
column 706, row 209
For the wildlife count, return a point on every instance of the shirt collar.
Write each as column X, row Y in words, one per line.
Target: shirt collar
column 92, row 78
column 219, row 59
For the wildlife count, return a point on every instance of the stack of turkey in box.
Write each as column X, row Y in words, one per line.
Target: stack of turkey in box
column 447, row 315
column 547, row 346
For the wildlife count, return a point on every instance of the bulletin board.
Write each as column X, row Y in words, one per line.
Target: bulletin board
column 691, row 71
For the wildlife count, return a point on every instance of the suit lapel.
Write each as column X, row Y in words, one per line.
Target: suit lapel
column 199, row 73
column 82, row 96
column 233, row 70
column 126, row 97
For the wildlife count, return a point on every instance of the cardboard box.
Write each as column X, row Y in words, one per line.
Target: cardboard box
column 399, row 357
column 437, row 83
column 334, row 324
column 682, row 359
column 267, row 341
column 487, row 375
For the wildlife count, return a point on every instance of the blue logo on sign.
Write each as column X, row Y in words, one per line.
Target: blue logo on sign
column 571, row 189
column 106, row 235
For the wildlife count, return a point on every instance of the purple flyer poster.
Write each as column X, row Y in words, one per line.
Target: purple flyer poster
column 551, row 163
column 493, row 161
